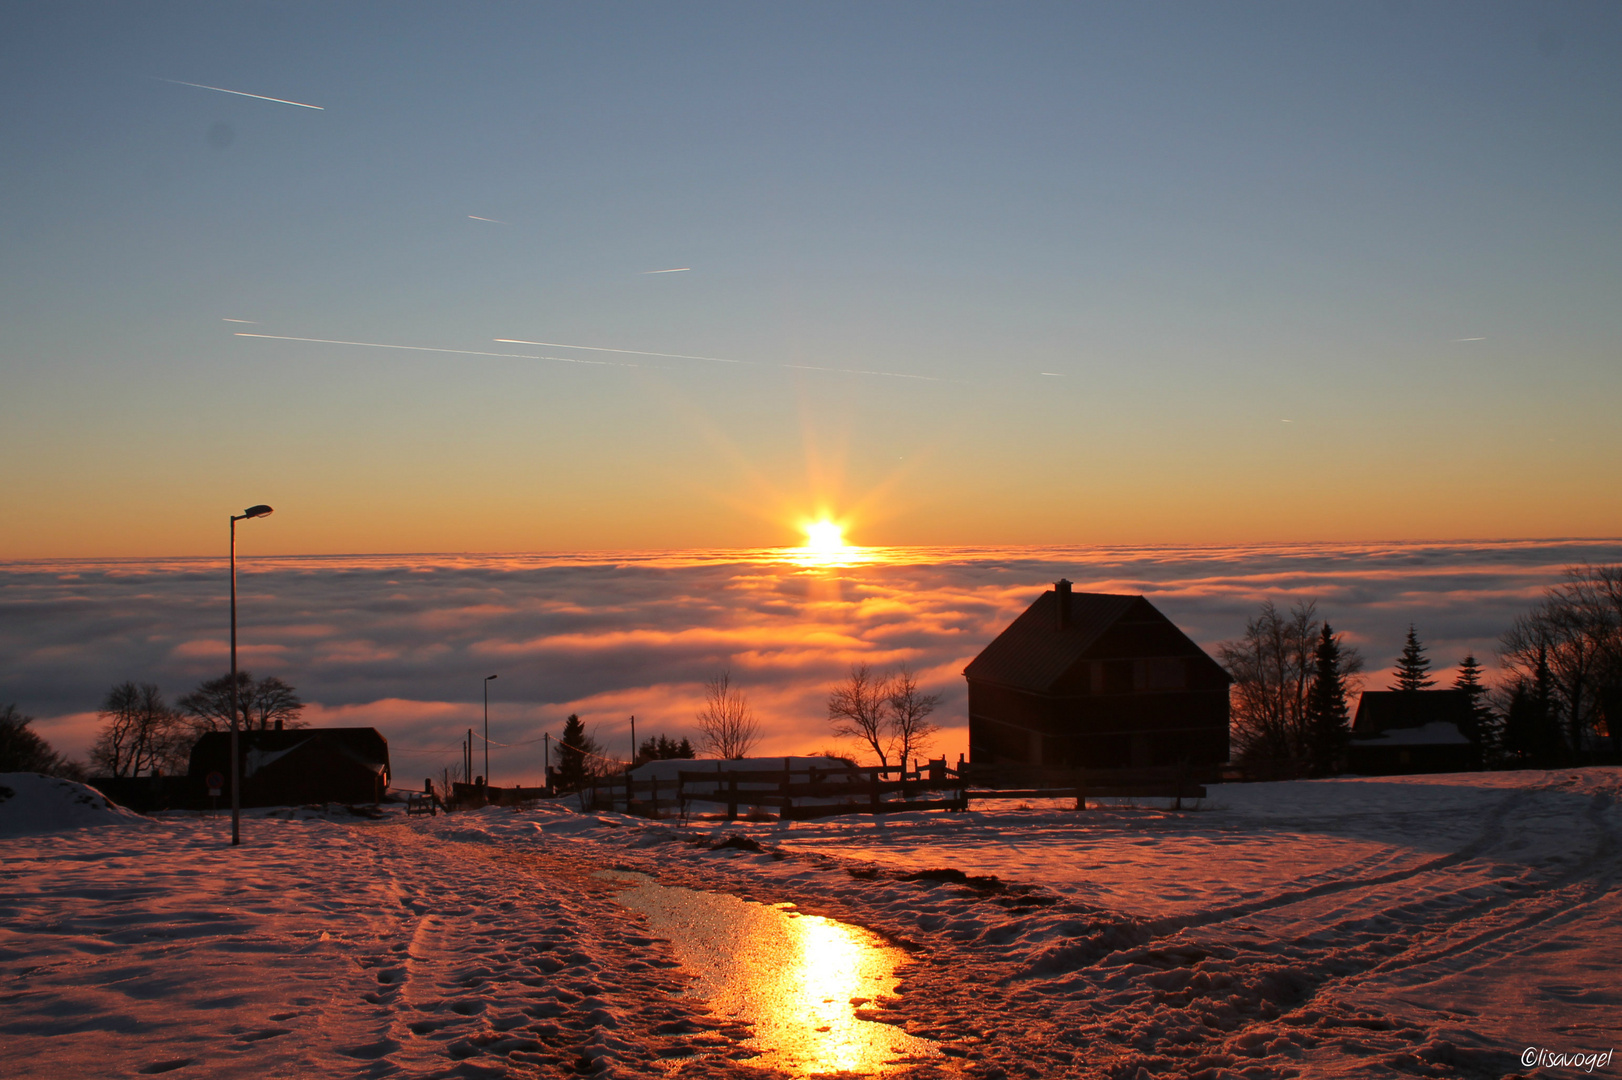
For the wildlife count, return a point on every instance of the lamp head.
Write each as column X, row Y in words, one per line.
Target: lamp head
column 257, row 511
column 487, row 678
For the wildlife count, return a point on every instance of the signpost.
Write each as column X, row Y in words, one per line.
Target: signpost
column 215, row 782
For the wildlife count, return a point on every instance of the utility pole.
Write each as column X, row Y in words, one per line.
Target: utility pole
column 487, row 679
column 633, row 740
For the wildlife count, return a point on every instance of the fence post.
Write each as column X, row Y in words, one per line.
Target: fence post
column 627, row 790
column 786, row 811
column 732, row 796
column 653, row 786
column 874, row 774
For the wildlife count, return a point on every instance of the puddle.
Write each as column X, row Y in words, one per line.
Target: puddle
column 796, row 979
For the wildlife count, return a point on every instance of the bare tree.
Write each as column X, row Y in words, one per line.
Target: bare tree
column 269, row 701
column 1273, row 667
column 727, row 726
column 908, row 708
column 275, row 704
column 140, row 732
column 857, row 708
column 1572, row 640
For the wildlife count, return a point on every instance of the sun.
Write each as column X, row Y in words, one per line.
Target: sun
column 824, row 535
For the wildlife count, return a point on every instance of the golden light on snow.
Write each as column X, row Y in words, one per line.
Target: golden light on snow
column 798, row 980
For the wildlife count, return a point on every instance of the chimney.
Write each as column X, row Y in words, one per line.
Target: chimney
column 1061, row 592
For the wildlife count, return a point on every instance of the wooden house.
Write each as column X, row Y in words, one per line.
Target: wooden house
column 1096, row 681
column 1412, row 731
column 299, row 765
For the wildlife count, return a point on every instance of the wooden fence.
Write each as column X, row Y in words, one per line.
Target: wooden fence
column 803, row 792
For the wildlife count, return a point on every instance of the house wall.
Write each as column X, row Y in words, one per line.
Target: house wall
column 313, row 775
column 1402, row 760
column 1124, row 729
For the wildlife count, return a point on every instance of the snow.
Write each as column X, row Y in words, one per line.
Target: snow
column 1431, row 925
column 256, row 759
column 1435, row 733
column 32, row 803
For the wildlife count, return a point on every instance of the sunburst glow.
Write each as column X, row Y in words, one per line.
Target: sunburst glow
column 824, row 535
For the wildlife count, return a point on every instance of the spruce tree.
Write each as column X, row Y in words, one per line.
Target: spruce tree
column 1481, row 715
column 1326, row 713
column 574, row 752
column 1532, row 722
column 1413, row 665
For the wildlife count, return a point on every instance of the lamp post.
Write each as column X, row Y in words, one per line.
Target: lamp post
column 236, row 710
column 487, row 679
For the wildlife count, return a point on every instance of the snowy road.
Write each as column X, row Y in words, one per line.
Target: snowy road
column 1429, row 926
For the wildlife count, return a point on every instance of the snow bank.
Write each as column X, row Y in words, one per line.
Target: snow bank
column 35, row 803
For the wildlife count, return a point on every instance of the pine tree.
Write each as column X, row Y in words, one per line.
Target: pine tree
column 1326, row 712
column 575, row 753
column 1413, row 665
column 663, row 748
column 1532, row 721
column 1482, row 720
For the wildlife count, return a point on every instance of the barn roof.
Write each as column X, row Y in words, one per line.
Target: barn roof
column 1035, row 651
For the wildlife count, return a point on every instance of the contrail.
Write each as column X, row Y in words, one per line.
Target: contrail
column 675, row 270
column 628, row 352
column 425, row 348
column 1055, row 374
column 491, row 220
column 574, row 360
column 718, row 359
column 1457, row 340
column 239, row 93
column 249, row 322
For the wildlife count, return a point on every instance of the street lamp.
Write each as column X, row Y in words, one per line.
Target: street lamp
column 236, row 786
column 487, row 679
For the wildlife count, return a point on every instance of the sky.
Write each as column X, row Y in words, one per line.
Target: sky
column 1013, row 274
column 403, row 643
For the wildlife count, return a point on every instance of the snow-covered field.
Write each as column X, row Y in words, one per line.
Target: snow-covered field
column 1431, row 926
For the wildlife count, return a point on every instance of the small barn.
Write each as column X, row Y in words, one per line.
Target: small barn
column 1096, row 681
column 299, row 765
column 1412, row 731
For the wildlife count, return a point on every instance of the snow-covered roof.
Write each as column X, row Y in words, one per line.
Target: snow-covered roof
column 1435, row 733
column 257, row 759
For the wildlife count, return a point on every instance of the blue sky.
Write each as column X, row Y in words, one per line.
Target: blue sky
column 1301, row 271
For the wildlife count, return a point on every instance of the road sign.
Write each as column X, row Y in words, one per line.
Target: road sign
column 215, row 782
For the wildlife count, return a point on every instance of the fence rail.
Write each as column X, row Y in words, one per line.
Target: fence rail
column 803, row 792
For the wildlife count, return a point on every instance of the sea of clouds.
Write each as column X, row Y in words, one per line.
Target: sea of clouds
column 403, row 642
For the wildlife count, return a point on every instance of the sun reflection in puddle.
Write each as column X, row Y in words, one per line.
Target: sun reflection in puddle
column 798, row 980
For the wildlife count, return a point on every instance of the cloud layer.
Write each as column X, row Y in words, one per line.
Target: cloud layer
column 403, row 642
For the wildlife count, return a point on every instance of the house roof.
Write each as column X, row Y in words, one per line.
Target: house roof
column 1034, row 652
column 1380, row 711
column 263, row 748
